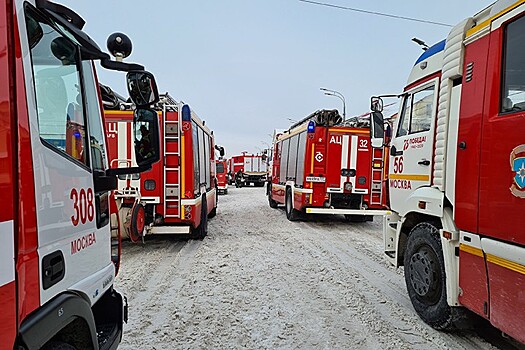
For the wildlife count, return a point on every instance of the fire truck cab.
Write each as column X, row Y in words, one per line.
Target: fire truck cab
column 56, row 266
column 250, row 169
column 221, row 166
column 457, row 174
column 179, row 194
column 323, row 167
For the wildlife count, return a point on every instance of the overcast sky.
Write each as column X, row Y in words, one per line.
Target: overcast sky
column 247, row 66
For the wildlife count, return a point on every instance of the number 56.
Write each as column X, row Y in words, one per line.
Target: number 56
column 398, row 165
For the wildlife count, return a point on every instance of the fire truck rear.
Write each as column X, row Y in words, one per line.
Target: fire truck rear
column 179, row 194
column 322, row 167
column 457, row 174
column 56, row 268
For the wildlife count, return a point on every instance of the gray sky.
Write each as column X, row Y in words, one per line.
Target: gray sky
column 246, row 66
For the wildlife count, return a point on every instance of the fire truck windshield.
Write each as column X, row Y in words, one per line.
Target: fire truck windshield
column 59, row 99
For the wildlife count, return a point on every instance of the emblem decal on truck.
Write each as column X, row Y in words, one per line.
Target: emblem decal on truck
column 517, row 164
column 319, row 157
column 415, row 142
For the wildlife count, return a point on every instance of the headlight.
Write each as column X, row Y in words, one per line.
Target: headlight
column 348, row 172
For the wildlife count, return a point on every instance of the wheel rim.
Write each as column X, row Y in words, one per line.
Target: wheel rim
column 141, row 220
column 425, row 275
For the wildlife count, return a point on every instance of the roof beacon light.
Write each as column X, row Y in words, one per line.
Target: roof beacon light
column 311, row 126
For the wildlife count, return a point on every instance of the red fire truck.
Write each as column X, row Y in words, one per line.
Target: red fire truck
column 56, row 269
column 322, row 167
column 179, row 194
column 251, row 168
column 221, row 167
column 457, row 174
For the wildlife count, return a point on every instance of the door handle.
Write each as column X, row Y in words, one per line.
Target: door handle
column 424, row 162
column 53, row 269
column 394, row 152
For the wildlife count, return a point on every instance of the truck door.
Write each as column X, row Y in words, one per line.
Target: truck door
column 411, row 151
column 67, row 142
column 502, row 178
column 8, row 319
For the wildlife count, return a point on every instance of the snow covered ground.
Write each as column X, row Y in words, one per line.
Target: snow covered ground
column 258, row 281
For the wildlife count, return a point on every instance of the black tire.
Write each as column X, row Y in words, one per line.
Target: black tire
column 58, row 345
column 138, row 222
column 226, row 191
column 273, row 204
column 291, row 213
column 202, row 230
column 425, row 277
column 212, row 213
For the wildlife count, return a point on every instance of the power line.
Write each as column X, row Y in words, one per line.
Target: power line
column 376, row 13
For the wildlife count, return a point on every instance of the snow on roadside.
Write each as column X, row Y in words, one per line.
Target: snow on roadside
column 259, row 281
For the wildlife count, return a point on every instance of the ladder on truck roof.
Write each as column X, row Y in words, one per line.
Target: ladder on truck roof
column 171, row 129
column 378, row 171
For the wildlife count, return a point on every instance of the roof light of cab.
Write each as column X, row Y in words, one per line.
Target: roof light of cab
column 186, row 113
column 434, row 49
column 311, row 126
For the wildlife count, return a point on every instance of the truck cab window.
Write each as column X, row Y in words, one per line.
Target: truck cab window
column 417, row 112
column 55, row 62
column 404, row 122
column 513, row 87
column 96, row 140
column 422, row 110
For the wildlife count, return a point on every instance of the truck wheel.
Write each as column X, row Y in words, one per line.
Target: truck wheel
column 291, row 213
column 273, row 204
column 212, row 213
column 202, row 230
column 425, row 276
column 138, row 222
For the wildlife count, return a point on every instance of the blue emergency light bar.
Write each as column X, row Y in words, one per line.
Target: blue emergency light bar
column 311, row 126
column 186, row 113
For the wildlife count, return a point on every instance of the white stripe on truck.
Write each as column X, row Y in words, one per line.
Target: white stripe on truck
column 344, row 160
column 353, row 160
column 7, row 253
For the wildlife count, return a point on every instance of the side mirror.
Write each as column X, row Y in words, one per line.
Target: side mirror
column 220, row 149
column 142, row 88
column 146, row 136
column 377, row 129
column 376, row 104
